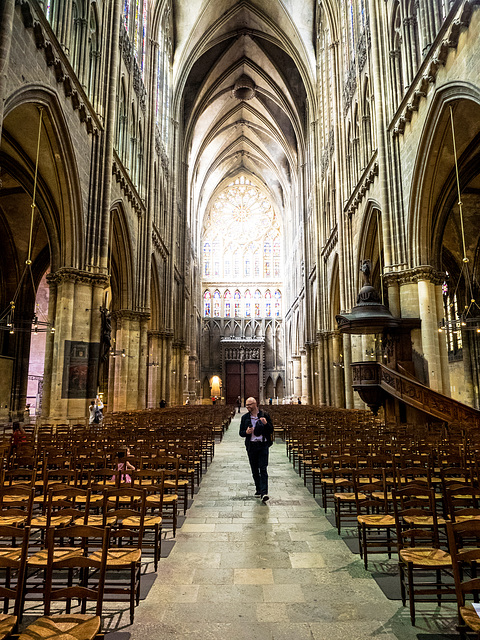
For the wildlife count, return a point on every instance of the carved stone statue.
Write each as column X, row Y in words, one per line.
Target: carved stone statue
column 106, row 333
column 366, row 269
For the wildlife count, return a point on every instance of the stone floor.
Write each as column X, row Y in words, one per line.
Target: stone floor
column 243, row 570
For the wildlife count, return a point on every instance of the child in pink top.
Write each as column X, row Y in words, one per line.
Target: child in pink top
column 123, row 465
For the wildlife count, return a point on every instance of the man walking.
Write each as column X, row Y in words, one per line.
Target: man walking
column 257, row 429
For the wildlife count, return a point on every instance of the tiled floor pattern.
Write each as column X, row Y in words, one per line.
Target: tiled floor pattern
column 242, row 570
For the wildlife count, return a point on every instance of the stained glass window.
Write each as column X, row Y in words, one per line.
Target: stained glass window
column 237, row 298
column 278, row 302
column 228, row 303
column 144, row 36
column 248, row 304
column 216, row 304
column 256, row 270
column 241, row 211
column 267, row 260
column 258, row 299
column 352, row 29
column 126, row 14
column 241, row 246
column 206, row 304
column 247, row 266
column 268, row 304
column 206, row 258
column 361, row 12
column 236, row 264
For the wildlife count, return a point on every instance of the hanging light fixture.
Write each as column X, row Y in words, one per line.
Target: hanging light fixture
column 8, row 320
column 469, row 318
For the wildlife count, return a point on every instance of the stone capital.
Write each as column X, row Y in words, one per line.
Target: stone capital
column 412, row 276
column 68, row 274
column 129, row 314
column 161, row 333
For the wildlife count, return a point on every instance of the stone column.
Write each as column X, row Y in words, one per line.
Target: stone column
column 321, row 371
column 429, row 330
column 357, row 356
column 347, row 361
column 168, row 365
column 326, row 368
column 297, row 376
column 442, row 343
column 73, row 350
column 329, row 370
column 338, row 370
column 305, row 396
column 314, row 374
column 130, row 360
column 142, row 361
column 119, row 394
column 7, row 11
column 192, row 377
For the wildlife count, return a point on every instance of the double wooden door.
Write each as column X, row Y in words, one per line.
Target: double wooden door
column 242, row 379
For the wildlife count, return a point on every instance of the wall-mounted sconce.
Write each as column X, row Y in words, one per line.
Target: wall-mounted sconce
column 339, row 364
column 117, row 352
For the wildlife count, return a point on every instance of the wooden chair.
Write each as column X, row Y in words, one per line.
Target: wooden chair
column 16, row 504
column 463, row 502
column 13, row 559
column 22, row 476
column 416, row 520
column 64, row 505
column 126, row 555
column 81, row 626
column 465, row 559
column 170, row 465
column 375, row 523
column 344, row 495
column 152, row 482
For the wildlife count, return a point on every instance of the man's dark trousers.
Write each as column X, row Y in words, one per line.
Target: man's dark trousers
column 258, row 458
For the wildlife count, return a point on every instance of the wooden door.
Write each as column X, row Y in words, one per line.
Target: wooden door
column 251, row 380
column 234, row 382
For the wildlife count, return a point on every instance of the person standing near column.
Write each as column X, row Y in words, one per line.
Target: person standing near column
column 257, row 429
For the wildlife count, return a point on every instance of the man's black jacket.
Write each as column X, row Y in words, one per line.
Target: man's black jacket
column 265, row 430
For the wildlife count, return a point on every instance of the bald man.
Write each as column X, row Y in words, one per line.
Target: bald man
column 257, row 429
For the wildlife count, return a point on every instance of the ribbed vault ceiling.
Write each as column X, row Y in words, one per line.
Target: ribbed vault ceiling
column 242, row 90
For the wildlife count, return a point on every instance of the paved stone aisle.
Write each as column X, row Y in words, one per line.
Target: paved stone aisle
column 242, row 570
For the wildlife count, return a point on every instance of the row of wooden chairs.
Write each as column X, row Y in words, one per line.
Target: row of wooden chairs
column 85, row 581
column 408, row 490
column 122, row 510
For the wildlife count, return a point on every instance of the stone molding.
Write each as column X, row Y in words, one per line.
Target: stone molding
column 69, row 274
column 446, row 40
column 130, row 314
column 55, row 57
column 242, row 353
column 415, row 275
column 160, row 333
column 159, row 244
column 127, row 186
column 330, row 244
column 363, row 185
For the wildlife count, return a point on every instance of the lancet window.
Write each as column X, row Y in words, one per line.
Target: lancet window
column 241, row 246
